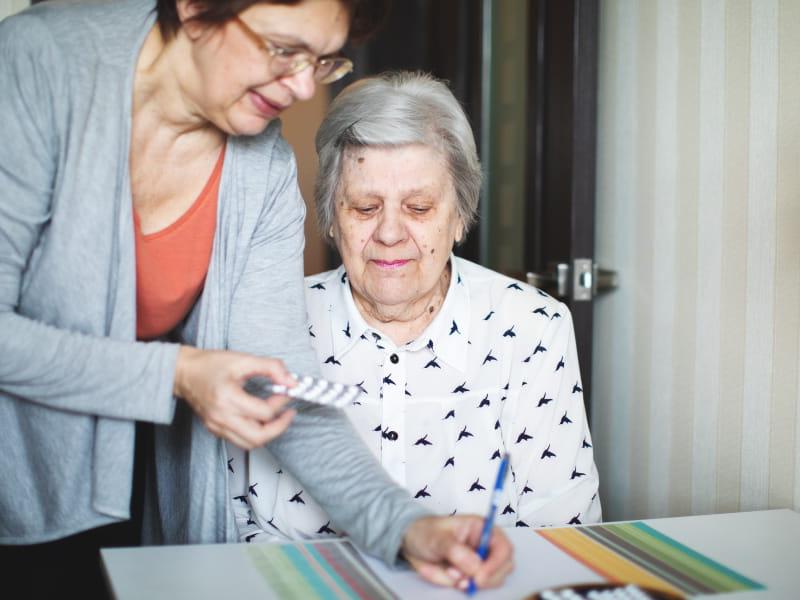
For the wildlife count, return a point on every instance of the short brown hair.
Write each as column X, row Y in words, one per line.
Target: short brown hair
column 366, row 16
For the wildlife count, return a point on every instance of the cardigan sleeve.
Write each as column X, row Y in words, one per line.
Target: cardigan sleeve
column 320, row 448
column 55, row 367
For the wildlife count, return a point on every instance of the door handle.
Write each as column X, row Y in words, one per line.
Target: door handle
column 587, row 280
column 555, row 280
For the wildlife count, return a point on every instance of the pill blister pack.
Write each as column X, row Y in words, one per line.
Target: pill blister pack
column 308, row 388
column 600, row 592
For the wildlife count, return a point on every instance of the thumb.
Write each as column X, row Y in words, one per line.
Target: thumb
column 272, row 368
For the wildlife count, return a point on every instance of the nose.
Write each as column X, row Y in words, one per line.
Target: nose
column 390, row 229
column 302, row 83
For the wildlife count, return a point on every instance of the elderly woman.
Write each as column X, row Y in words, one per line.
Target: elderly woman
column 458, row 364
column 151, row 243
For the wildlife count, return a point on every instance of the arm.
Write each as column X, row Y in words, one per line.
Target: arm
column 55, row 367
column 558, row 466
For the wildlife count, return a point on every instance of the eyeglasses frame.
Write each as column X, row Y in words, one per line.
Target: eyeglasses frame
column 303, row 58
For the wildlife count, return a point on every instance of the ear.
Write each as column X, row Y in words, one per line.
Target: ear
column 187, row 10
column 459, row 231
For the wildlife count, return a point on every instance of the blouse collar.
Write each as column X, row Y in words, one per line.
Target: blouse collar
column 446, row 337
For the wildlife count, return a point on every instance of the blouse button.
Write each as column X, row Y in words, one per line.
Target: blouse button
column 394, row 358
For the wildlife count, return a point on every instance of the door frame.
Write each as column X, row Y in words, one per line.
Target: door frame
column 562, row 148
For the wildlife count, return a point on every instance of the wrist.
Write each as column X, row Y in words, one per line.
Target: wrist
column 186, row 355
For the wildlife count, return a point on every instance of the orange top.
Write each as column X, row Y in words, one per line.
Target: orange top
column 171, row 264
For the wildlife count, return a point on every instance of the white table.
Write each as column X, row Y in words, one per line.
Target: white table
column 762, row 545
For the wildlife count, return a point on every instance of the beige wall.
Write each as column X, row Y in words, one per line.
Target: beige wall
column 697, row 401
column 8, row 7
column 300, row 125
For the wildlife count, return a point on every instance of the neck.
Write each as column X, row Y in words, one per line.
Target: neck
column 162, row 99
column 404, row 323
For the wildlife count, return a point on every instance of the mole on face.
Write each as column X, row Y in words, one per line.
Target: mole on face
column 433, row 250
column 360, row 159
column 430, row 309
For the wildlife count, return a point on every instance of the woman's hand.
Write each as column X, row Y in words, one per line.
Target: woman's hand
column 443, row 550
column 211, row 381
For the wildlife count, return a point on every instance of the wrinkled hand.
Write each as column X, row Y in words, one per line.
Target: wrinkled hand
column 443, row 550
column 211, row 381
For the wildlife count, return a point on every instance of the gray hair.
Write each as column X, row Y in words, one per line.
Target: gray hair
column 397, row 109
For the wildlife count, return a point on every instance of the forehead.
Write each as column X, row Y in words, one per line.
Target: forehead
column 394, row 160
column 319, row 25
column 376, row 169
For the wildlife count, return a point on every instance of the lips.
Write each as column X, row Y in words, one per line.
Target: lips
column 267, row 109
column 390, row 264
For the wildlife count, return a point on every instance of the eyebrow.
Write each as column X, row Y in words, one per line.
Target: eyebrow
column 406, row 193
column 294, row 43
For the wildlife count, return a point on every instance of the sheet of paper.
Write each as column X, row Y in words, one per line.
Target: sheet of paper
column 539, row 565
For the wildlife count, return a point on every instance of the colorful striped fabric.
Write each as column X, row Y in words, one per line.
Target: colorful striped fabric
column 636, row 553
column 320, row 570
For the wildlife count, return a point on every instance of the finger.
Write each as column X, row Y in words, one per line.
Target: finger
column 473, row 529
column 499, row 561
column 249, row 434
column 268, row 367
column 258, row 409
column 462, row 557
column 455, row 574
column 486, row 578
column 276, row 427
column 432, row 573
column 233, row 437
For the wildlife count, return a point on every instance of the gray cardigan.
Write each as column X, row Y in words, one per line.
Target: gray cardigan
column 73, row 380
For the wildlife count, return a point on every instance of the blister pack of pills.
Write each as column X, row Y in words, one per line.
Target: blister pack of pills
column 308, row 388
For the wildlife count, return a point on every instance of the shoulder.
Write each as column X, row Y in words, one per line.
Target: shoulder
column 324, row 287
column 79, row 32
column 263, row 172
column 323, row 292
column 503, row 291
column 505, row 301
column 28, row 33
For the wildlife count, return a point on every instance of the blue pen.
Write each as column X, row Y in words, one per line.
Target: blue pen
column 483, row 547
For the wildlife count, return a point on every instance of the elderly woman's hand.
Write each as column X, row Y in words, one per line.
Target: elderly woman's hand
column 210, row 381
column 443, row 551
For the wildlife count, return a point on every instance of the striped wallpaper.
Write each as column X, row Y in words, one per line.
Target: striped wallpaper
column 696, row 404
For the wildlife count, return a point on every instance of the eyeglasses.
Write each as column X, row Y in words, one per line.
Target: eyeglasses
column 285, row 62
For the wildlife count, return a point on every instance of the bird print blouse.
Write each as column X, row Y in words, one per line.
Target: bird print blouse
column 496, row 371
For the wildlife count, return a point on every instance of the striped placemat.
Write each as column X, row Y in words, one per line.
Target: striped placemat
column 319, row 570
column 636, row 553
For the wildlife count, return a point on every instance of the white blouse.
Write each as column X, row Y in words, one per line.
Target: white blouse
column 496, row 371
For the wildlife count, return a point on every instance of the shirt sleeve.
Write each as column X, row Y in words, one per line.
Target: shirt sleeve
column 44, row 364
column 320, row 448
column 555, row 477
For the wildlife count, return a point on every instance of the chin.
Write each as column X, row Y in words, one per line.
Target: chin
column 248, row 126
column 393, row 297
